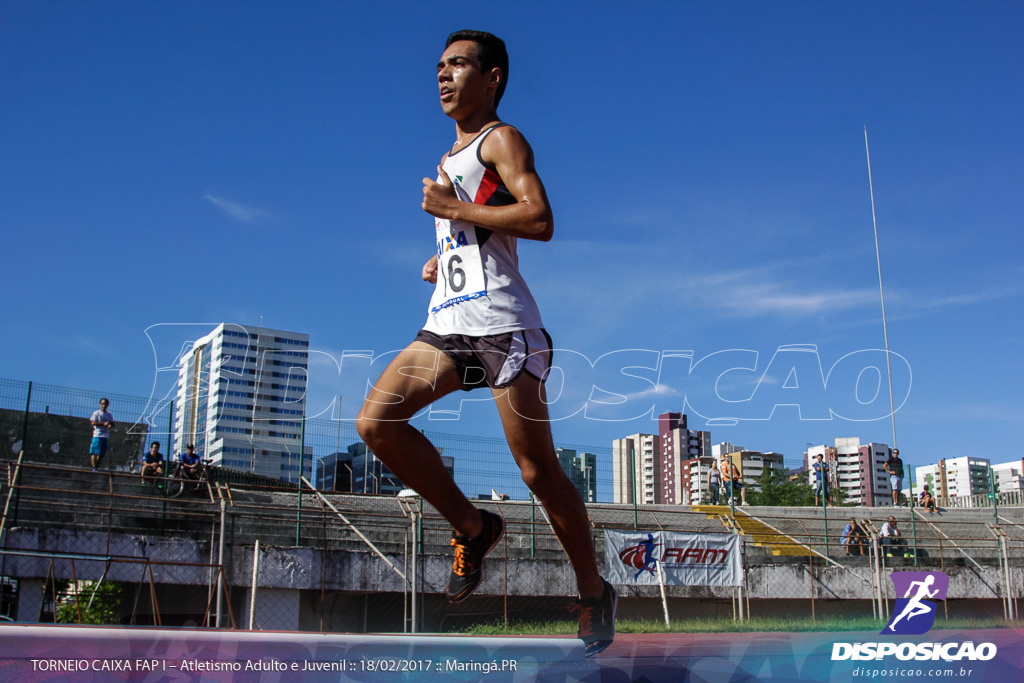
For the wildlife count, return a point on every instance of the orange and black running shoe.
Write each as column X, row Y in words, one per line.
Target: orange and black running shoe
column 597, row 620
column 469, row 556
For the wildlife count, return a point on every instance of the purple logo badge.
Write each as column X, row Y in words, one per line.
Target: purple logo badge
column 914, row 613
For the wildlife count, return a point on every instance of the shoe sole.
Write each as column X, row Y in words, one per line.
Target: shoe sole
column 456, row 599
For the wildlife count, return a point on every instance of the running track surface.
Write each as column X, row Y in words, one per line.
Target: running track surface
column 37, row 654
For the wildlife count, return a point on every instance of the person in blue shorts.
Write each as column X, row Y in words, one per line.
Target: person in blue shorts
column 102, row 422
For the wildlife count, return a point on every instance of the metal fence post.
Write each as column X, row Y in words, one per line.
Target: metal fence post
column 24, row 436
column 824, row 506
column 298, row 485
column 170, row 434
column 533, row 526
column 632, row 475
column 995, row 496
column 24, row 424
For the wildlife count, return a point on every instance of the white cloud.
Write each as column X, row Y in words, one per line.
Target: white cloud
column 240, row 212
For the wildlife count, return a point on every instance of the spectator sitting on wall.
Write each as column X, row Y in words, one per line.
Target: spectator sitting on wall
column 892, row 539
column 191, row 465
column 853, row 538
column 153, row 463
column 927, row 501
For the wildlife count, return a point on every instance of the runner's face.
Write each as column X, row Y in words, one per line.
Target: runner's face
column 463, row 87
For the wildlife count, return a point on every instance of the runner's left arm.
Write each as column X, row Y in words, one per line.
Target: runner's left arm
column 529, row 217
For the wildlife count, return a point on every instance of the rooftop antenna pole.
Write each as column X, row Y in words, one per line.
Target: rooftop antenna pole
column 881, row 291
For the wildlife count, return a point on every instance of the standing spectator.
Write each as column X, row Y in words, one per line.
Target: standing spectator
column 714, row 482
column 153, row 463
column 853, row 538
column 894, row 466
column 927, row 501
column 821, row 481
column 102, row 422
column 733, row 481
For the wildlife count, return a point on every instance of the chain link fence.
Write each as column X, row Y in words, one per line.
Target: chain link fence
column 244, row 551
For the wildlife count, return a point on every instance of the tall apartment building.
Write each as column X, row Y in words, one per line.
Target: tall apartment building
column 241, row 400
column 677, row 445
column 694, row 480
column 1009, row 476
column 334, row 472
column 961, row 477
column 581, row 468
column 658, row 472
column 857, row 469
column 633, row 483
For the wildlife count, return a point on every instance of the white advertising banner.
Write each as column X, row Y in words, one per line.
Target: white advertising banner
column 686, row 559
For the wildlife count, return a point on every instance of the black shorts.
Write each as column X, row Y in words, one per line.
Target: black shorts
column 496, row 360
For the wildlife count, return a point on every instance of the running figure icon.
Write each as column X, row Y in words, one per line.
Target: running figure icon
column 650, row 562
column 915, row 606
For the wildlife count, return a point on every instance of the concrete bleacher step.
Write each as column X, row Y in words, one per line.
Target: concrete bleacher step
column 760, row 533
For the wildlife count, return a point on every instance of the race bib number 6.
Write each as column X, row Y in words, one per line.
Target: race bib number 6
column 460, row 270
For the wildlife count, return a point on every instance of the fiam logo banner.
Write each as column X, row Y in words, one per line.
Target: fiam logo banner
column 914, row 613
column 677, row 559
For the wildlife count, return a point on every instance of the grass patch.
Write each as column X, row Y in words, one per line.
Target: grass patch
column 758, row 624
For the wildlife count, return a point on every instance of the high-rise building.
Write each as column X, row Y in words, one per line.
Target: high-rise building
column 1009, row 476
column 677, row 445
column 581, row 468
column 633, row 469
column 858, row 470
column 334, row 472
column 658, row 475
column 961, row 477
column 241, row 400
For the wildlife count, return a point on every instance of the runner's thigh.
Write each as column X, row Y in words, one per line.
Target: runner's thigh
column 418, row 376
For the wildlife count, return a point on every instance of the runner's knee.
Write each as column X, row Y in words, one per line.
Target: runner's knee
column 544, row 481
column 374, row 431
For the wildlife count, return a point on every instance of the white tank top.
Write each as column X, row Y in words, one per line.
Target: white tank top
column 479, row 288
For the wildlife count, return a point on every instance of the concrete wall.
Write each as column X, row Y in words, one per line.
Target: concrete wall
column 304, row 589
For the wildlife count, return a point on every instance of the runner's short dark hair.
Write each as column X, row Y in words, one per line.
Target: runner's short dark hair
column 491, row 52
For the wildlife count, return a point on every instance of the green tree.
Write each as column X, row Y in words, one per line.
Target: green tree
column 95, row 603
column 776, row 490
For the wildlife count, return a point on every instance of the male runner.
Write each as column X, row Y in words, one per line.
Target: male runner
column 484, row 329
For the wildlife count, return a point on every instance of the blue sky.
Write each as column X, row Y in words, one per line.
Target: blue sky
column 179, row 164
